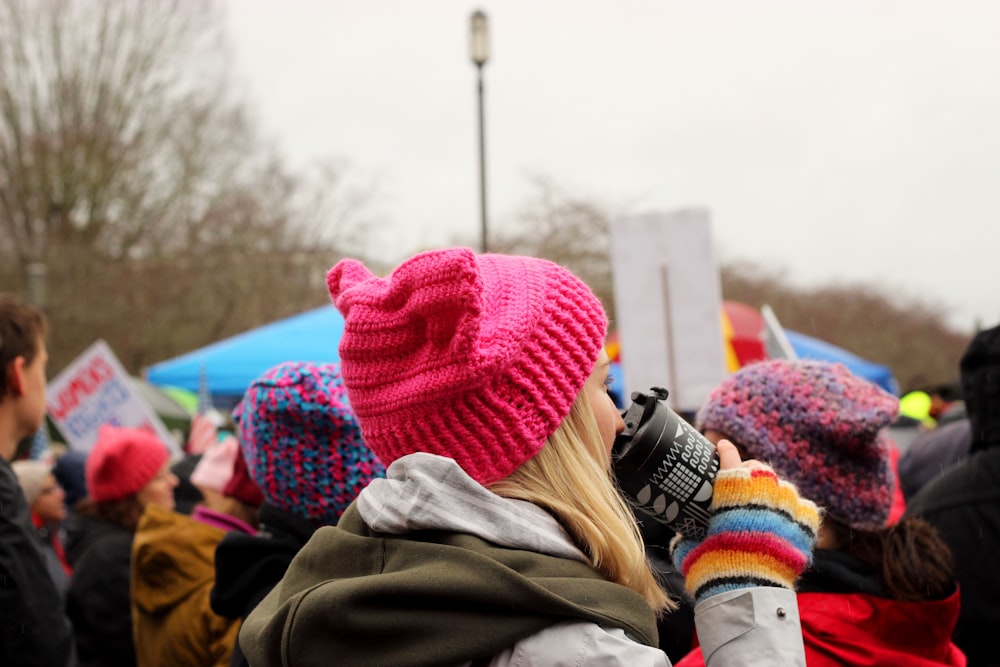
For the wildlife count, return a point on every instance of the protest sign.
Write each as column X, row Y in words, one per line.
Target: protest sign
column 94, row 390
column 668, row 299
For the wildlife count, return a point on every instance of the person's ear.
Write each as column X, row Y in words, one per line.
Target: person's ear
column 15, row 377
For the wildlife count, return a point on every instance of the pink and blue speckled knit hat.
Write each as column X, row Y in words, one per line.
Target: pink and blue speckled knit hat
column 474, row 357
column 819, row 427
column 301, row 441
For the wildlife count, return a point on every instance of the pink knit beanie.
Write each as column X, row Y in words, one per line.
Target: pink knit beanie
column 819, row 426
column 122, row 462
column 216, row 465
column 473, row 357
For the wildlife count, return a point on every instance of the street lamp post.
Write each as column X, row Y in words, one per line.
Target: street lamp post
column 479, row 50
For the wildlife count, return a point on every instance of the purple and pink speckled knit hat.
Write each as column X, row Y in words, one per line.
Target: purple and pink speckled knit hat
column 819, row 427
column 474, row 357
column 301, row 441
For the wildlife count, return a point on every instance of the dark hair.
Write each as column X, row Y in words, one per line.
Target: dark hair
column 914, row 562
column 125, row 512
column 21, row 328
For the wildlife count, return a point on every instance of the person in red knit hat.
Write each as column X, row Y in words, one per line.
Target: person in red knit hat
column 126, row 471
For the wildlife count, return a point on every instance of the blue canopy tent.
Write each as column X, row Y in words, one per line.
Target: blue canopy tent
column 807, row 347
column 230, row 365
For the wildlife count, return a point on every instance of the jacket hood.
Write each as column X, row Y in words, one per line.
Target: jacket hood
column 861, row 629
column 172, row 556
column 424, row 491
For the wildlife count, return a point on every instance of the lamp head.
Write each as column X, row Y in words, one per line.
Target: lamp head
column 479, row 38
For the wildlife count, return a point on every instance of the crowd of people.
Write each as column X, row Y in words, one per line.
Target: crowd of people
column 445, row 495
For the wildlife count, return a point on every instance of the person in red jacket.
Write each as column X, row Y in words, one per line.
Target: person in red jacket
column 874, row 595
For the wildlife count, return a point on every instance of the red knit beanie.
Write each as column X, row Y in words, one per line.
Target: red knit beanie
column 122, row 462
column 474, row 357
column 240, row 486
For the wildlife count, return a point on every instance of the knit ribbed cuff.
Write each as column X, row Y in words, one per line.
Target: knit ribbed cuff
column 761, row 534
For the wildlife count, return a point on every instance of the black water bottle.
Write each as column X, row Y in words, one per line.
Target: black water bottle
column 665, row 468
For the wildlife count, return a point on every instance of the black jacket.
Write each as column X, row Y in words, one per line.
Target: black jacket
column 247, row 567
column 33, row 627
column 964, row 505
column 98, row 601
column 931, row 453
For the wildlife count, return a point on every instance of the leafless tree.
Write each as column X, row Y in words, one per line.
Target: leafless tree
column 904, row 332
column 131, row 168
column 571, row 231
column 115, row 121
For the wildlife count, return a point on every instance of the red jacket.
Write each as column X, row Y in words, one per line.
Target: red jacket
column 861, row 629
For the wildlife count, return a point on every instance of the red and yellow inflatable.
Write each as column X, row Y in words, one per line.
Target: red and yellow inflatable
column 742, row 331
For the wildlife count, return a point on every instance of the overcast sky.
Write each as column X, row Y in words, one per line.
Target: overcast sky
column 836, row 141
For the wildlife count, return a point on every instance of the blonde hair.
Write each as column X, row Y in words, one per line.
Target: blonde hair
column 571, row 478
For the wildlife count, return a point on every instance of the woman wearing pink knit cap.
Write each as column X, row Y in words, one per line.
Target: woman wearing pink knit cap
column 126, row 471
column 499, row 536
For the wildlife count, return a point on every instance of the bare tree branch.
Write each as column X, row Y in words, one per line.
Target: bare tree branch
column 132, row 170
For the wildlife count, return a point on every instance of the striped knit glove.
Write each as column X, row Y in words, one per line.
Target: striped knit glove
column 761, row 534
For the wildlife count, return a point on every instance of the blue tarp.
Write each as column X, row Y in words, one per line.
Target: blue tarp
column 807, row 347
column 230, row 365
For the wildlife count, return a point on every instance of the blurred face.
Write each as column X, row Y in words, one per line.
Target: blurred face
column 159, row 491
column 31, row 401
column 609, row 420
column 50, row 506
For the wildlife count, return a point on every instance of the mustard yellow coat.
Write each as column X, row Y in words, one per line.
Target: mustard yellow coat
column 173, row 569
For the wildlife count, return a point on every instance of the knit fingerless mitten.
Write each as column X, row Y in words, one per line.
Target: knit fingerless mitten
column 761, row 534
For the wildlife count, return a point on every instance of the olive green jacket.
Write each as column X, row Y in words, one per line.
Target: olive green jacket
column 353, row 597
column 427, row 567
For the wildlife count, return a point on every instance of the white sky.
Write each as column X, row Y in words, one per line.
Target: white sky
column 837, row 141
